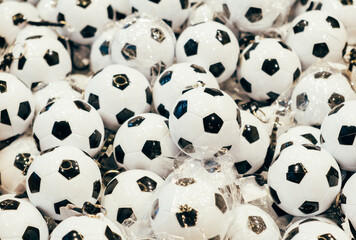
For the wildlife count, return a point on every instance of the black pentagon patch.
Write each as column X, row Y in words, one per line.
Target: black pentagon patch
column 184, row 4
column 299, row 27
column 155, row 209
column 310, row 138
column 247, row 53
column 123, row 115
column 320, row 50
column 191, row 48
column 88, row 32
column 333, row 177
column 136, row 121
column 217, row 69
column 34, row 183
column 254, row 14
column 61, row 130
column 333, row 22
column 147, row 184
column 162, row 110
column 83, row 3
column 285, row 46
column 270, row 66
column 220, row 203
column 73, row 235
column 213, row 92
column 110, row 235
column 94, row 101
column 212, row 123
column 296, row 74
column 180, row 109
column 222, row 36
column 148, row 95
column 272, row 96
column 311, row 147
column 250, row 133
column 296, row 173
column 302, row 101
column 129, row 51
column 104, row 48
column 24, row 110
column 22, row 160
column 292, row 234
column 51, row 57
column 242, row 167
column 186, row 145
column 326, row 236
column 169, row 23
column 336, row 109
column 60, row 204
column 285, row 145
column 245, row 85
column 120, row 81
column 119, row 154
column 335, row 99
column 322, row 74
column 95, row 139
column 157, row 35
column 165, row 78
column 309, row 207
column 343, row 199
column 69, row 169
column 2, row 42
column 81, row 105
column 18, row 19
column 274, row 195
column 96, row 189
column 347, row 135
column 60, row 17
column 185, row 182
column 37, row 142
column 197, row 68
column 21, row 63
column 110, row 11
column 31, row 233
column 154, row 1
column 3, row 86
column 346, row 2
column 124, row 213
column 152, row 149
column 9, row 204
column 256, row 224
column 186, row 216
column 111, row 186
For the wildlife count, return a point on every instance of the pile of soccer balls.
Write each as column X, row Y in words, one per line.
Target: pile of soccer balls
column 177, row 119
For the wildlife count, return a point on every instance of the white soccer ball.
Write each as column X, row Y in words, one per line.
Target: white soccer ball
column 66, row 122
column 315, row 35
column 338, row 132
column 19, row 219
column 304, row 180
column 348, row 200
column 205, row 121
column 144, row 43
column 144, row 142
column 62, row 176
column 17, row 106
column 118, row 93
column 176, row 80
column 205, row 43
column 267, row 68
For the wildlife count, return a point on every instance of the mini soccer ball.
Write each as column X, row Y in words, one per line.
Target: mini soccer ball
column 60, row 123
column 204, row 44
column 144, row 43
column 176, row 80
column 323, row 37
column 315, row 229
column 16, row 106
column 172, row 12
column 12, row 15
column 14, row 161
column 267, row 68
column 47, row 10
column 20, row 220
column 40, row 60
column 338, row 132
column 53, row 91
column 297, row 136
column 348, row 200
column 122, row 85
column 253, row 135
column 100, row 50
column 81, row 26
column 252, row 223
column 30, row 32
column 205, row 121
column 317, row 93
column 85, row 227
column 255, row 16
column 344, row 11
column 189, row 208
column 304, row 180
column 54, row 180
column 144, row 142
column 120, row 192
